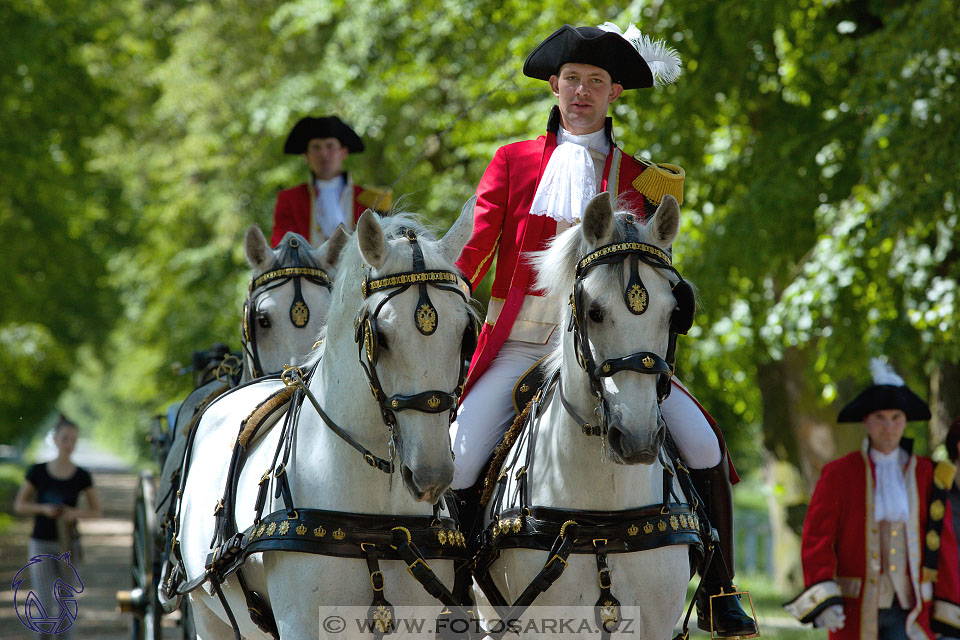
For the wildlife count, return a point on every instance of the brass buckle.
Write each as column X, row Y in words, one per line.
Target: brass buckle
column 415, row 563
column 555, row 557
column 601, row 573
column 753, row 613
column 406, row 531
column 563, row 528
column 373, row 584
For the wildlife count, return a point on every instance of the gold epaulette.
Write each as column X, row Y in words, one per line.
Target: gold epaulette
column 659, row 179
column 380, row 200
column 943, row 474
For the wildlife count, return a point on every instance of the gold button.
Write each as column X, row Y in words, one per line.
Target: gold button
column 873, row 581
column 893, row 552
column 874, row 530
column 874, row 554
column 893, row 533
column 893, row 567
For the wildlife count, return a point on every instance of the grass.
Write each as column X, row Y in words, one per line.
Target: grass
column 11, row 477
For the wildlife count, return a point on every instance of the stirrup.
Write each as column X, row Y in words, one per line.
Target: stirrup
column 753, row 613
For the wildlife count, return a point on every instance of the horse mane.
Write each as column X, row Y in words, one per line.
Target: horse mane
column 350, row 268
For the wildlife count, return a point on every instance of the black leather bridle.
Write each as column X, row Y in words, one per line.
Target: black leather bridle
column 299, row 311
column 426, row 320
column 636, row 299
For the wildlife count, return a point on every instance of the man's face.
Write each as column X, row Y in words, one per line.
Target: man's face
column 885, row 428
column 325, row 157
column 584, row 93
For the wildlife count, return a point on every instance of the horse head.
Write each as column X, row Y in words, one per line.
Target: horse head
column 616, row 354
column 288, row 298
column 413, row 326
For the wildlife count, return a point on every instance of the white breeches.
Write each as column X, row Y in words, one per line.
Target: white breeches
column 487, row 412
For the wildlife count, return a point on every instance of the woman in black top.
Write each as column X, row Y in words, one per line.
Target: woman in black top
column 51, row 494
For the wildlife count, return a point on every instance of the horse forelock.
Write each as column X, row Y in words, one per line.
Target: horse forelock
column 285, row 255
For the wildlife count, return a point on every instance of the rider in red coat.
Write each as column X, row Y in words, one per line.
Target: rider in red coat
column 535, row 189
column 879, row 551
column 315, row 208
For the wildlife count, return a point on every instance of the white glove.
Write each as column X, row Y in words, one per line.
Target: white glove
column 832, row 618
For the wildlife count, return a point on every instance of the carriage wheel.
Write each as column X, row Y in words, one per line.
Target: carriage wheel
column 143, row 602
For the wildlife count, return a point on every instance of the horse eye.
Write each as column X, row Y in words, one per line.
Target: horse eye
column 381, row 340
column 596, row 314
column 263, row 320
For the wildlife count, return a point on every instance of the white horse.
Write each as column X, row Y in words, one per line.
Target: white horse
column 620, row 470
column 409, row 350
column 270, row 337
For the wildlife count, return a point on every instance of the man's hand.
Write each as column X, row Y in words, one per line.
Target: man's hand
column 832, row 618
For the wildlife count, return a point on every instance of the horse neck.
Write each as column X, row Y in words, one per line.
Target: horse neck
column 571, row 468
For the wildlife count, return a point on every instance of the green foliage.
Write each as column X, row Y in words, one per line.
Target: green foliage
column 819, row 222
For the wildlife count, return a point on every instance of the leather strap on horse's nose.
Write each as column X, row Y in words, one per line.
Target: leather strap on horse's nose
column 641, row 362
column 427, row 402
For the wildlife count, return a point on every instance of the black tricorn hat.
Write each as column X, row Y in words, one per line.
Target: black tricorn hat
column 589, row 45
column 309, row 128
column 887, row 392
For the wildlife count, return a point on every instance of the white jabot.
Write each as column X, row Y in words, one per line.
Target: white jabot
column 890, row 500
column 329, row 209
column 571, row 178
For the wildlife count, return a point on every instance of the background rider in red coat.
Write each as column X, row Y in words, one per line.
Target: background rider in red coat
column 315, row 208
column 879, row 552
column 533, row 190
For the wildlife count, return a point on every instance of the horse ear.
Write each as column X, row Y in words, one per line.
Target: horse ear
column 597, row 222
column 453, row 242
column 665, row 223
column 259, row 254
column 330, row 250
column 370, row 238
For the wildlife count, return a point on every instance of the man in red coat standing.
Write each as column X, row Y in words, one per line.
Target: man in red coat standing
column 315, row 208
column 879, row 552
column 533, row 190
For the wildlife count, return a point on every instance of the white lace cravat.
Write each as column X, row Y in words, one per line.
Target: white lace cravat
column 570, row 179
column 329, row 209
column 890, row 499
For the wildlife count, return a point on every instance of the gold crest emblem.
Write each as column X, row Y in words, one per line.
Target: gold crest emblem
column 426, row 319
column 339, row 534
column 648, row 362
column 662, row 525
column 936, row 510
column 301, row 529
column 517, row 524
column 319, row 531
column 524, row 388
column 433, row 402
column 283, row 528
column 300, row 314
column 271, row 528
column 609, row 614
column 674, row 523
column 395, row 404
column 383, row 619
column 648, row 527
column 637, row 298
column 442, row 536
column 633, row 530
column 260, row 530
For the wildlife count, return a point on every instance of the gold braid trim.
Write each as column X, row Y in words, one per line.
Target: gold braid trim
column 500, row 454
column 943, row 474
column 658, row 180
column 261, row 412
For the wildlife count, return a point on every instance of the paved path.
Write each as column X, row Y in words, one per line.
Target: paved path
column 106, row 566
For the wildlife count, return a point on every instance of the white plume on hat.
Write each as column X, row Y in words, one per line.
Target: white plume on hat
column 664, row 61
column 883, row 373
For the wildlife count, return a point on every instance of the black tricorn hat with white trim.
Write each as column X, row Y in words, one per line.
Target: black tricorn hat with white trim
column 888, row 391
column 309, row 128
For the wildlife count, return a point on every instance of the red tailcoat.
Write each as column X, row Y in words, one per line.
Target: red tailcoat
column 294, row 206
column 841, row 552
column 502, row 225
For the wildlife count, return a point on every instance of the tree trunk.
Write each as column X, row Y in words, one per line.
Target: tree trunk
column 944, row 401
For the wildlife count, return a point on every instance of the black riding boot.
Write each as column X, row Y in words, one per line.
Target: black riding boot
column 729, row 619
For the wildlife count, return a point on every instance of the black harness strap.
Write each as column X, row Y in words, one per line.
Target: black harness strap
column 607, row 608
column 380, row 615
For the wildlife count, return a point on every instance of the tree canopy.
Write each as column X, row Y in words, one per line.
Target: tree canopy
column 141, row 139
